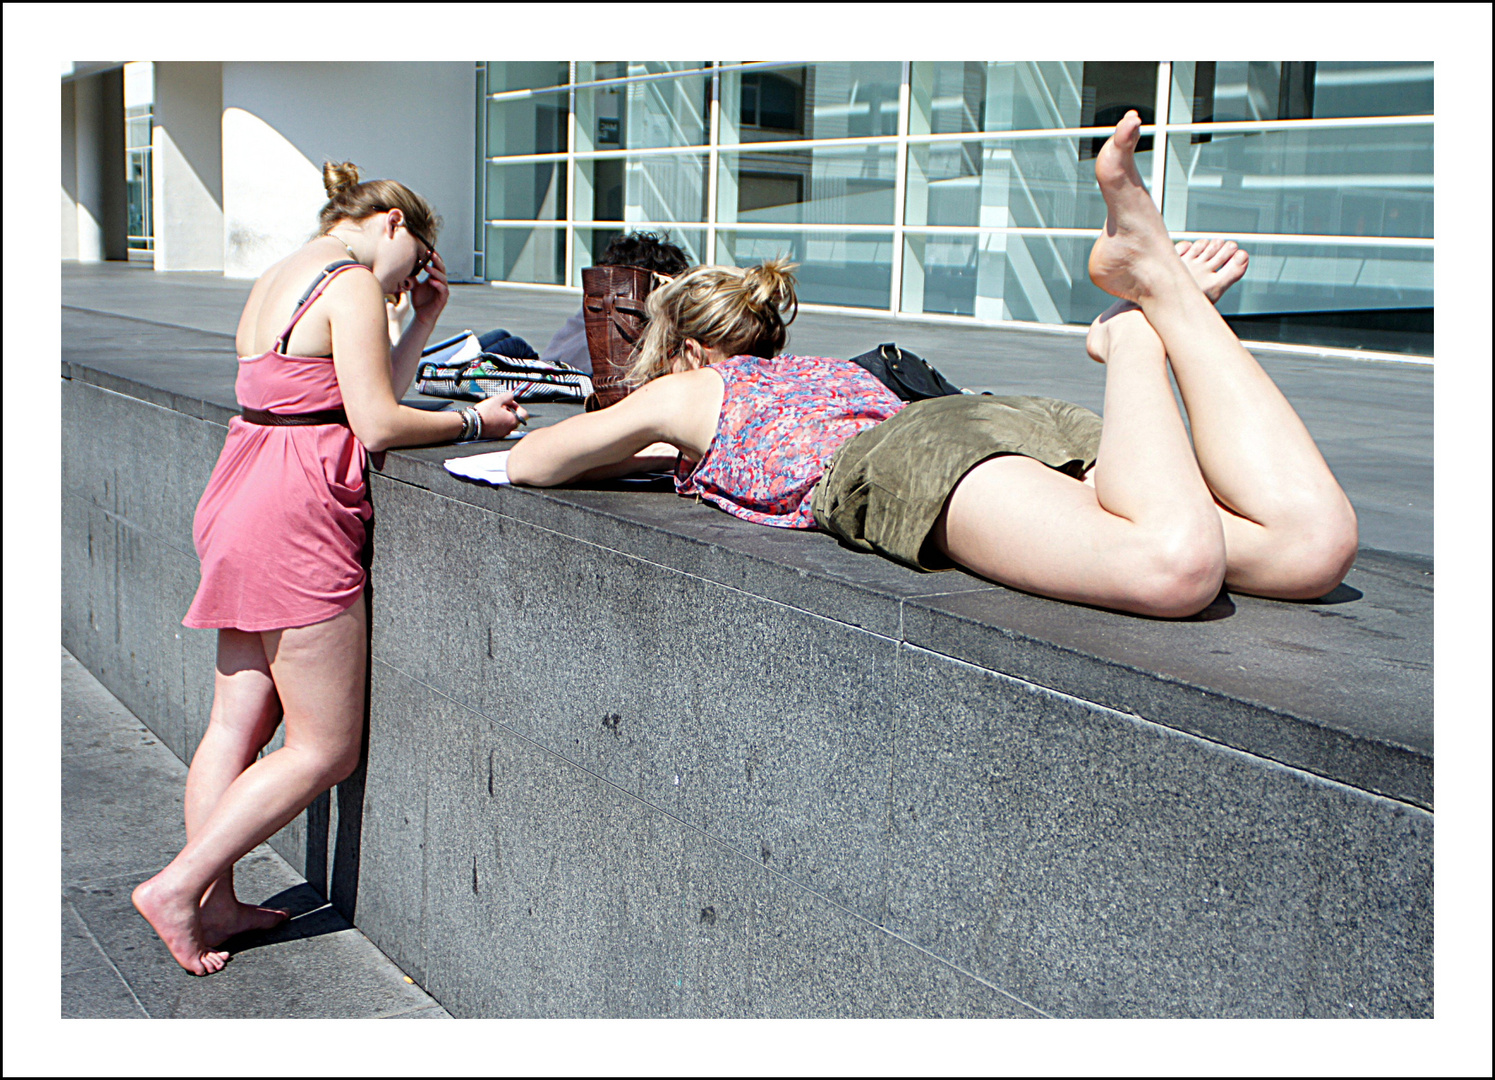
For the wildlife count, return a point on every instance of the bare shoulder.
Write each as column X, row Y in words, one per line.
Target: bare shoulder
column 682, row 408
column 354, row 292
column 703, row 386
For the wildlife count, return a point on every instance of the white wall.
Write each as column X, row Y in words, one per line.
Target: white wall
column 69, row 172
column 412, row 122
column 187, row 177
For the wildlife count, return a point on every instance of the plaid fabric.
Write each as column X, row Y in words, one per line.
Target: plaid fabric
column 490, row 374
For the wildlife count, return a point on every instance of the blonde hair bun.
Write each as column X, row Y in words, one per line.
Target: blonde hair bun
column 339, row 177
column 771, row 284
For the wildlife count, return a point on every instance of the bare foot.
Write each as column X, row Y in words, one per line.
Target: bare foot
column 222, row 921
column 1110, row 324
column 1214, row 264
column 176, row 920
column 1133, row 254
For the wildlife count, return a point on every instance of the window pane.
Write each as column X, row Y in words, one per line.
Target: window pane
column 522, row 192
column 1330, row 182
column 1327, row 277
column 666, row 112
column 848, row 269
column 1032, row 183
column 526, row 74
column 530, row 255
column 535, row 125
column 660, row 188
column 591, row 243
column 818, row 101
column 1206, row 92
column 1031, row 278
column 836, row 185
column 593, row 70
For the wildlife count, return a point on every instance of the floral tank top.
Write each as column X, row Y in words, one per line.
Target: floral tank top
column 781, row 420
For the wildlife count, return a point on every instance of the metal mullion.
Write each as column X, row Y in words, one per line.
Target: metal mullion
column 533, row 223
column 1316, row 239
column 570, row 240
column 1152, row 129
column 713, row 155
column 480, row 238
column 1315, row 124
column 811, row 227
column 1160, row 135
column 900, row 190
column 635, row 225
column 515, row 159
column 643, row 151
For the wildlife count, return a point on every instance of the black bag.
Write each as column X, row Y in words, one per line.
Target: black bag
column 910, row 377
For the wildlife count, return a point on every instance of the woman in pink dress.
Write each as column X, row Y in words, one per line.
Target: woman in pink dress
column 1134, row 512
column 280, row 532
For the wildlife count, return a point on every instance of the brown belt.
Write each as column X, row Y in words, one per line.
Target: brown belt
column 270, row 419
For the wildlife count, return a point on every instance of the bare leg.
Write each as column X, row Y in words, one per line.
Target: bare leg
column 246, row 712
column 319, row 674
column 1146, row 538
column 1289, row 529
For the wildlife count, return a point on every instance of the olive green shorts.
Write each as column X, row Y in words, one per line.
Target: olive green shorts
column 883, row 491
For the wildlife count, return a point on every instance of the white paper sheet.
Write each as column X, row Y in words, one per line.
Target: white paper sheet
column 454, row 351
column 489, row 468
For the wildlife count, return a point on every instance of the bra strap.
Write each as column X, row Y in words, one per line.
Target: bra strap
column 315, row 290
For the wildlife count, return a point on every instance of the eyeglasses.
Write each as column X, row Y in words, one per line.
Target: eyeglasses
column 427, row 251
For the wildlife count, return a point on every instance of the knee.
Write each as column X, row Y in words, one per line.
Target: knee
column 1182, row 574
column 341, row 766
column 333, row 765
column 1322, row 554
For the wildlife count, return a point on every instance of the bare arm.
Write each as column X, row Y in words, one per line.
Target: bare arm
column 680, row 410
column 661, row 457
column 366, row 374
column 427, row 301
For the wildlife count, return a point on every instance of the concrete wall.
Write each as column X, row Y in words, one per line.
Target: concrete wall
column 613, row 769
column 187, row 182
column 412, row 122
column 99, row 168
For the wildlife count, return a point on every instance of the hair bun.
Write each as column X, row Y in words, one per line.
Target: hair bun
column 771, row 284
column 337, row 178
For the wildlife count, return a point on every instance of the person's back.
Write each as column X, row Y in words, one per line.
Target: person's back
column 781, row 419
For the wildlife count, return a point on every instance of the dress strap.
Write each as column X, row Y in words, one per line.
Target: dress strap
column 315, row 290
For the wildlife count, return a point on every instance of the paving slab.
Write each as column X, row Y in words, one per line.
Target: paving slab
column 121, row 822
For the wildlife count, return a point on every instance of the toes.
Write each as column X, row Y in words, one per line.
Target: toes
column 1220, row 253
column 1210, row 253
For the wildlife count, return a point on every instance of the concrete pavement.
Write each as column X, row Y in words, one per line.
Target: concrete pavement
column 121, row 822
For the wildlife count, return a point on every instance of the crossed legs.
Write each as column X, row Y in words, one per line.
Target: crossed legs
column 315, row 674
column 1249, row 502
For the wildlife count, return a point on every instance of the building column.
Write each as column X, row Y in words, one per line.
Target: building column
column 187, row 183
column 99, row 155
column 69, row 172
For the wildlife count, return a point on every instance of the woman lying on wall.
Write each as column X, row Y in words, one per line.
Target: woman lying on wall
column 1033, row 493
column 281, row 530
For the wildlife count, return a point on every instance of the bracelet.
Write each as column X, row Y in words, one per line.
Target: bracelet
column 469, row 423
column 477, row 418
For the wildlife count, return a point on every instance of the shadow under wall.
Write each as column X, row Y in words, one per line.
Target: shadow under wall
column 334, row 854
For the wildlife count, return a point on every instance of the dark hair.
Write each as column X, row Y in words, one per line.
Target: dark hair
column 348, row 199
column 652, row 251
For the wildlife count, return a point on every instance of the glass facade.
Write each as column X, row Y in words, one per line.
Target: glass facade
column 967, row 188
column 139, row 115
